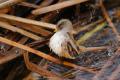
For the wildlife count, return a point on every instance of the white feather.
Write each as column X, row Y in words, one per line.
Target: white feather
column 56, row 41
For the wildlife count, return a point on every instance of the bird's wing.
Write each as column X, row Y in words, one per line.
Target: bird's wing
column 70, row 49
column 65, row 52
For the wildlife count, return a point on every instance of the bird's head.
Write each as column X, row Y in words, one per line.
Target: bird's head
column 64, row 25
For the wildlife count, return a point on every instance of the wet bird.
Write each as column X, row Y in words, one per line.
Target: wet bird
column 62, row 42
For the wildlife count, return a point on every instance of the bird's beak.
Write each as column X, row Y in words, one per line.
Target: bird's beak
column 55, row 30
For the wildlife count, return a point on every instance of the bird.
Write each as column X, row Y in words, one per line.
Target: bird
column 62, row 43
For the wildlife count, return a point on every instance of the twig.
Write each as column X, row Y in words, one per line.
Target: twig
column 78, row 67
column 28, row 21
column 5, row 10
column 57, row 6
column 9, row 42
column 86, row 27
column 41, row 54
column 51, row 15
column 21, row 31
column 9, row 3
column 45, row 3
column 89, row 34
column 33, row 67
column 32, row 28
column 106, row 15
column 28, row 5
column 13, row 53
column 96, row 48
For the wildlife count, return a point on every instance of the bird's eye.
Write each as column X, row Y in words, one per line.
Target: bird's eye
column 60, row 26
